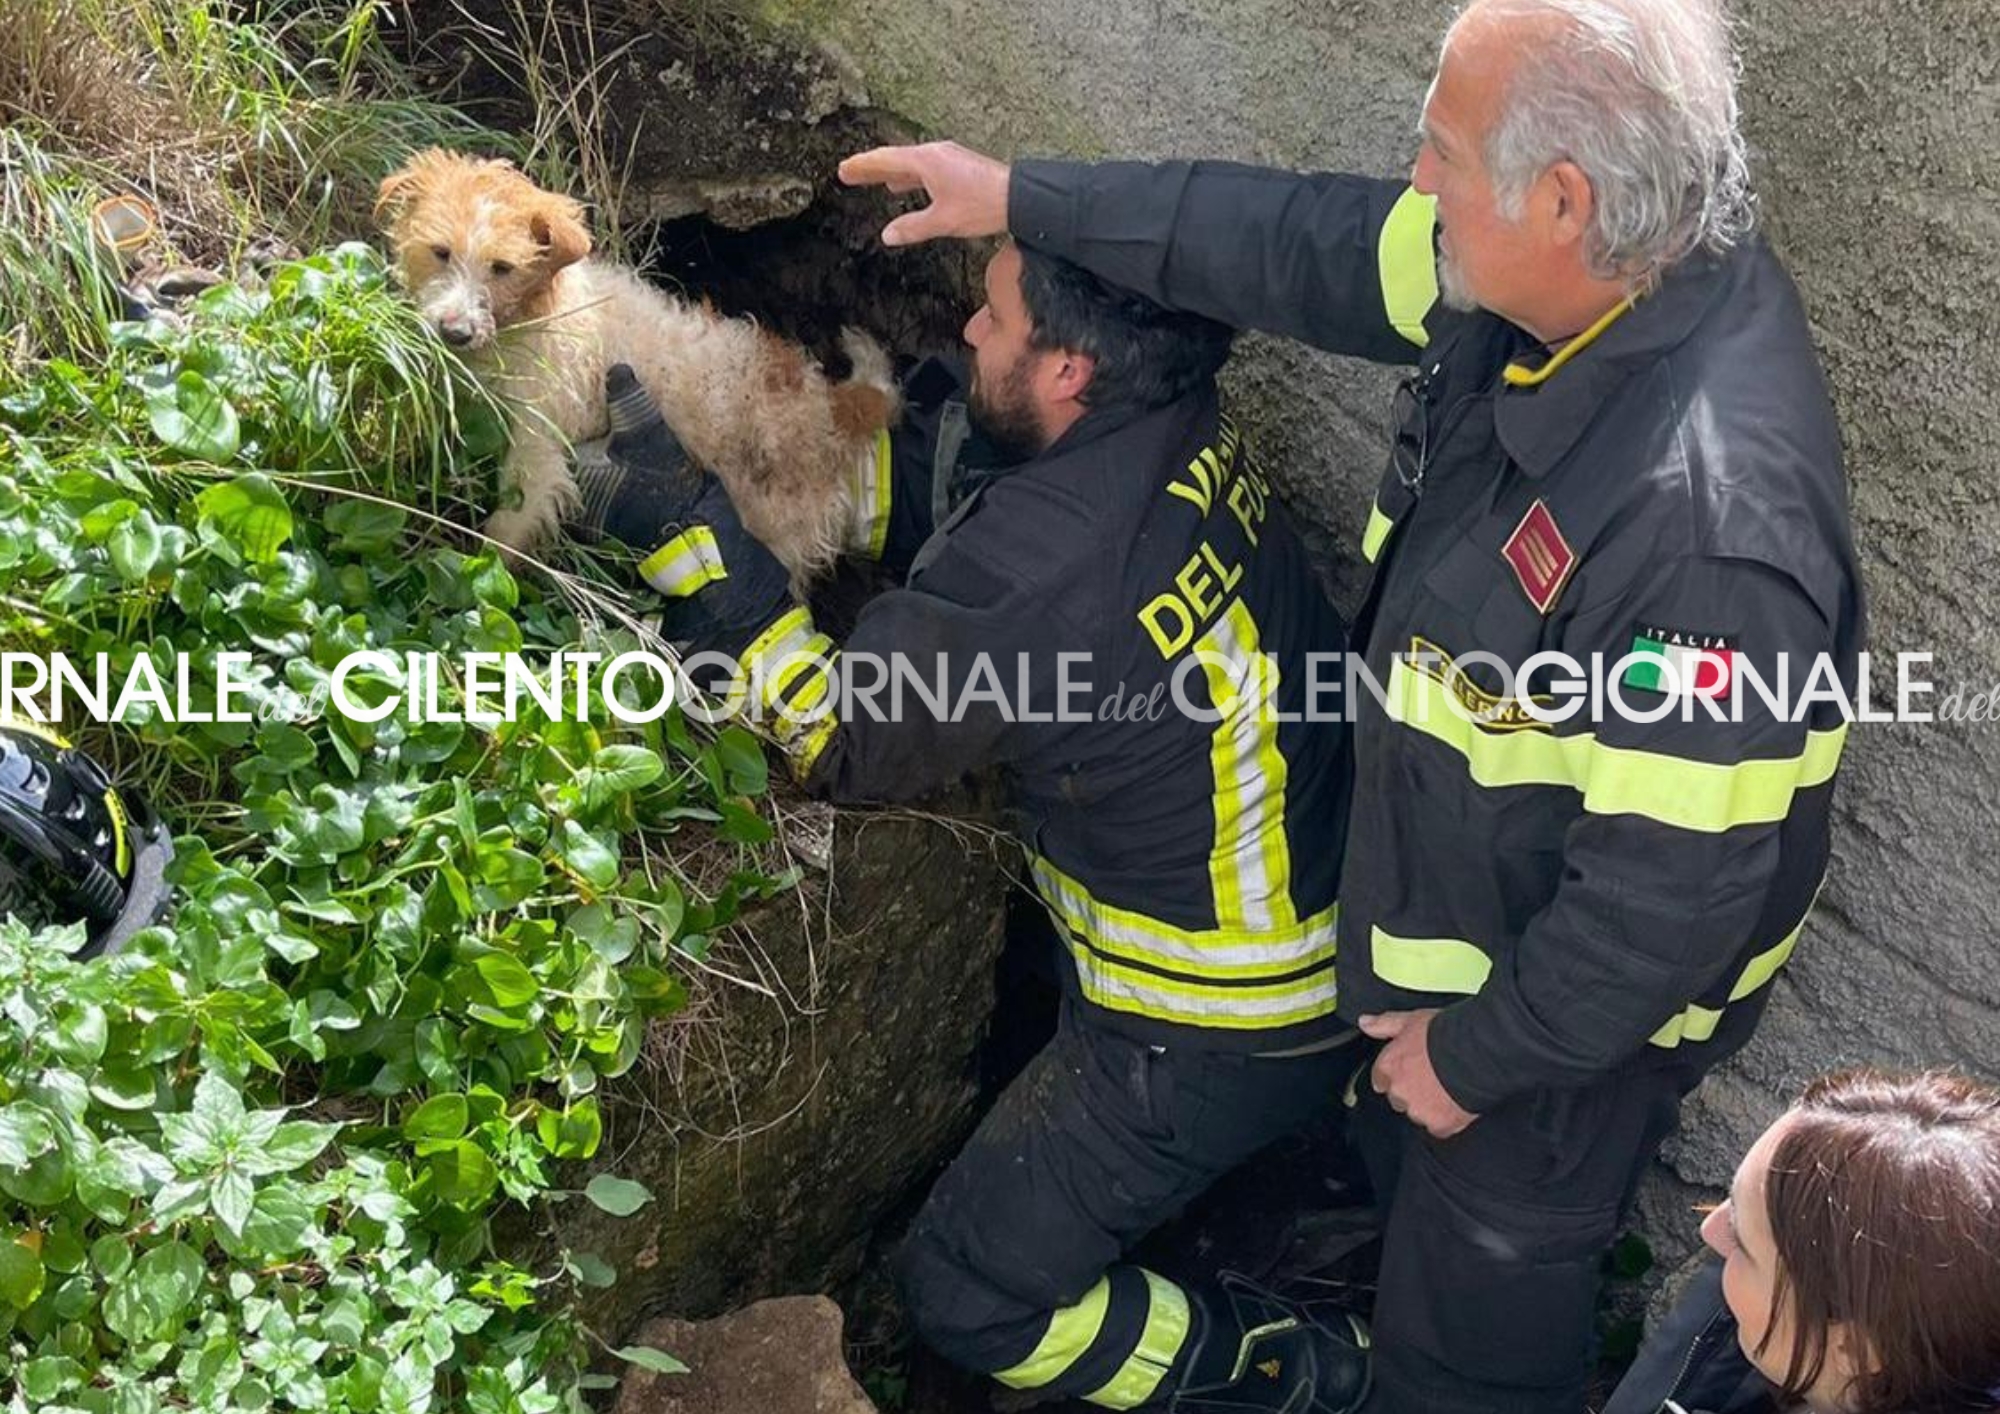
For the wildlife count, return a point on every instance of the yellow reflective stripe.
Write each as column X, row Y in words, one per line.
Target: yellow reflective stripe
column 1217, row 953
column 1250, row 865
column 1521, row 376
column 1165, row 1332
column 1376, row 535
column 1700, row 1023
column 1406, row 257
column 684, row 564
column 780, row 656
column 1138, row 992
column 1616, row 780
column 805, row 754
column 1700, row 795
column 1449, row 965
column 878, row 530
column 1071, row 1332
column 121, row 844
column 869, row 493
column 786, row 634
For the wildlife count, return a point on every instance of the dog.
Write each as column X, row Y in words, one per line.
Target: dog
column 502, row 270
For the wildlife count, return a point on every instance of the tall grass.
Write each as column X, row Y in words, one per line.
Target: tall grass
column 231, row 129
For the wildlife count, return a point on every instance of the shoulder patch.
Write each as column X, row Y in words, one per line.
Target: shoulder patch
column 1541, row 559
column 1681, row 663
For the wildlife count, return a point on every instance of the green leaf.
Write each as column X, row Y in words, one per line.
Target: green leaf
column 620, row 770
column 620, row 1197
column 21, row 1272
column 574, row 1133
column 135, row 548
column 153, row 1297
column 250, row 514
column 439, row 1117
column 193, row 417
column 594, row 861
column 25, row 1132
column 741, row 826
column 111, row 1254
column 462, row 1174
column 492, row 584
column 293, row 1145
column 365, row 527
column 44, row 1378
column 230, row 1195
column 592, row 1270
column 647, row 1358
column 509, row 981
column 742, row 757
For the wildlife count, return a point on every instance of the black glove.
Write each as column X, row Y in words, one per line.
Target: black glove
column 639, row 481
column 639, row 486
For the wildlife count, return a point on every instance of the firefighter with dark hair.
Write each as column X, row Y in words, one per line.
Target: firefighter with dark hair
column 1081, row 523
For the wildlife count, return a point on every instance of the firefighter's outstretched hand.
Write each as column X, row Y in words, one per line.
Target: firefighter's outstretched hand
column 967, row 190
column 1403, row 1073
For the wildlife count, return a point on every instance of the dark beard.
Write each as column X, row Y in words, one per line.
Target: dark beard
column 1006, row 420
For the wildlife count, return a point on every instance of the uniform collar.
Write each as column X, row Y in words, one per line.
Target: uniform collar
column 1542, row 412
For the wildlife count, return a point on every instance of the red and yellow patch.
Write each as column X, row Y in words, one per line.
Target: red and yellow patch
column 1541, row 559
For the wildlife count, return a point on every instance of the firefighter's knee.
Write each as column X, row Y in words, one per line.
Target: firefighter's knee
column 951, row 1307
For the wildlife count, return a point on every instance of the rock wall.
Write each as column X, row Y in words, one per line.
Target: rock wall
column 806, row 1106
column 1876, row 127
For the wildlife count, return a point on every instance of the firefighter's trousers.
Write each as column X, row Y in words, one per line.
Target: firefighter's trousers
column 1012, row 1267
column 1493, row 1241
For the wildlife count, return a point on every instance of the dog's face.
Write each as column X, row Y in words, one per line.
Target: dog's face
column 479, row 244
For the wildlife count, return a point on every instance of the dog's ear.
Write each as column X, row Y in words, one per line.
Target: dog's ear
column 557, row 226
column 407, row 183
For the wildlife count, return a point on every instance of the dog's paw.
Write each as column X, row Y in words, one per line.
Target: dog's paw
column 515, row 529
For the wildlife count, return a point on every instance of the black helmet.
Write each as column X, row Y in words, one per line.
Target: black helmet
column 72, row 847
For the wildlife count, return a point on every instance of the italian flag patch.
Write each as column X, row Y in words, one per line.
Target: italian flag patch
column 1703, row 664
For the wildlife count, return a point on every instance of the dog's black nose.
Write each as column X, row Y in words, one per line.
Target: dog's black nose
column 457, row 335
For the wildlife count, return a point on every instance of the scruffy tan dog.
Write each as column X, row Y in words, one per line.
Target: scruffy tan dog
column 499, row 267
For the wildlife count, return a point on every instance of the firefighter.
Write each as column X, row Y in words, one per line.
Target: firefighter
column 1616, row 440
column 1086, row 528
column 74, row 848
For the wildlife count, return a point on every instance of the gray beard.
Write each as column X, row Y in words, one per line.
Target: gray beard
column 1451, row 286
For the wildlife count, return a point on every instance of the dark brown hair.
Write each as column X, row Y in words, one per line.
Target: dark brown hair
column 1884, row 1201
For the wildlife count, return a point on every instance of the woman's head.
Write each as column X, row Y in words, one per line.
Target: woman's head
column 1862, row 1240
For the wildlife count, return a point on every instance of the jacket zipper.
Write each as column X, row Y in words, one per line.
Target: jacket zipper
column 1671, row 1405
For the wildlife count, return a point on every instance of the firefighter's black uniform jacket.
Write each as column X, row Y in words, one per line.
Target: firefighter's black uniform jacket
column 1579, row 896
column 1123, row 625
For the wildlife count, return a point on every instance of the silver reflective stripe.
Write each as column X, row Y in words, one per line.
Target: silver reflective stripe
column 685, row 563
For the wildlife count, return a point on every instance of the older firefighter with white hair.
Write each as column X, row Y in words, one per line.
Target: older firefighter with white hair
column 1616, row 441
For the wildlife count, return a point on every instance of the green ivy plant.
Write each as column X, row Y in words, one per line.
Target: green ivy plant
column 253, row 1162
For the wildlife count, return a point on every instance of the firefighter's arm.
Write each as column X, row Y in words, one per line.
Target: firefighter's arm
column 935, row 681
column 977, row 660
column 1668, row 873
column 1344, row 263
column 981, row 638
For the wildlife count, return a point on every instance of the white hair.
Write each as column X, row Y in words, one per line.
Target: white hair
column 1640, row 95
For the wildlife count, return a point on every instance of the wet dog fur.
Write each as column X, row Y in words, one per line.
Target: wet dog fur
column 502, row 269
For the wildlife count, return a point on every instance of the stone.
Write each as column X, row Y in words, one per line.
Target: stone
column 789, row 1111
column 781, row 1356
